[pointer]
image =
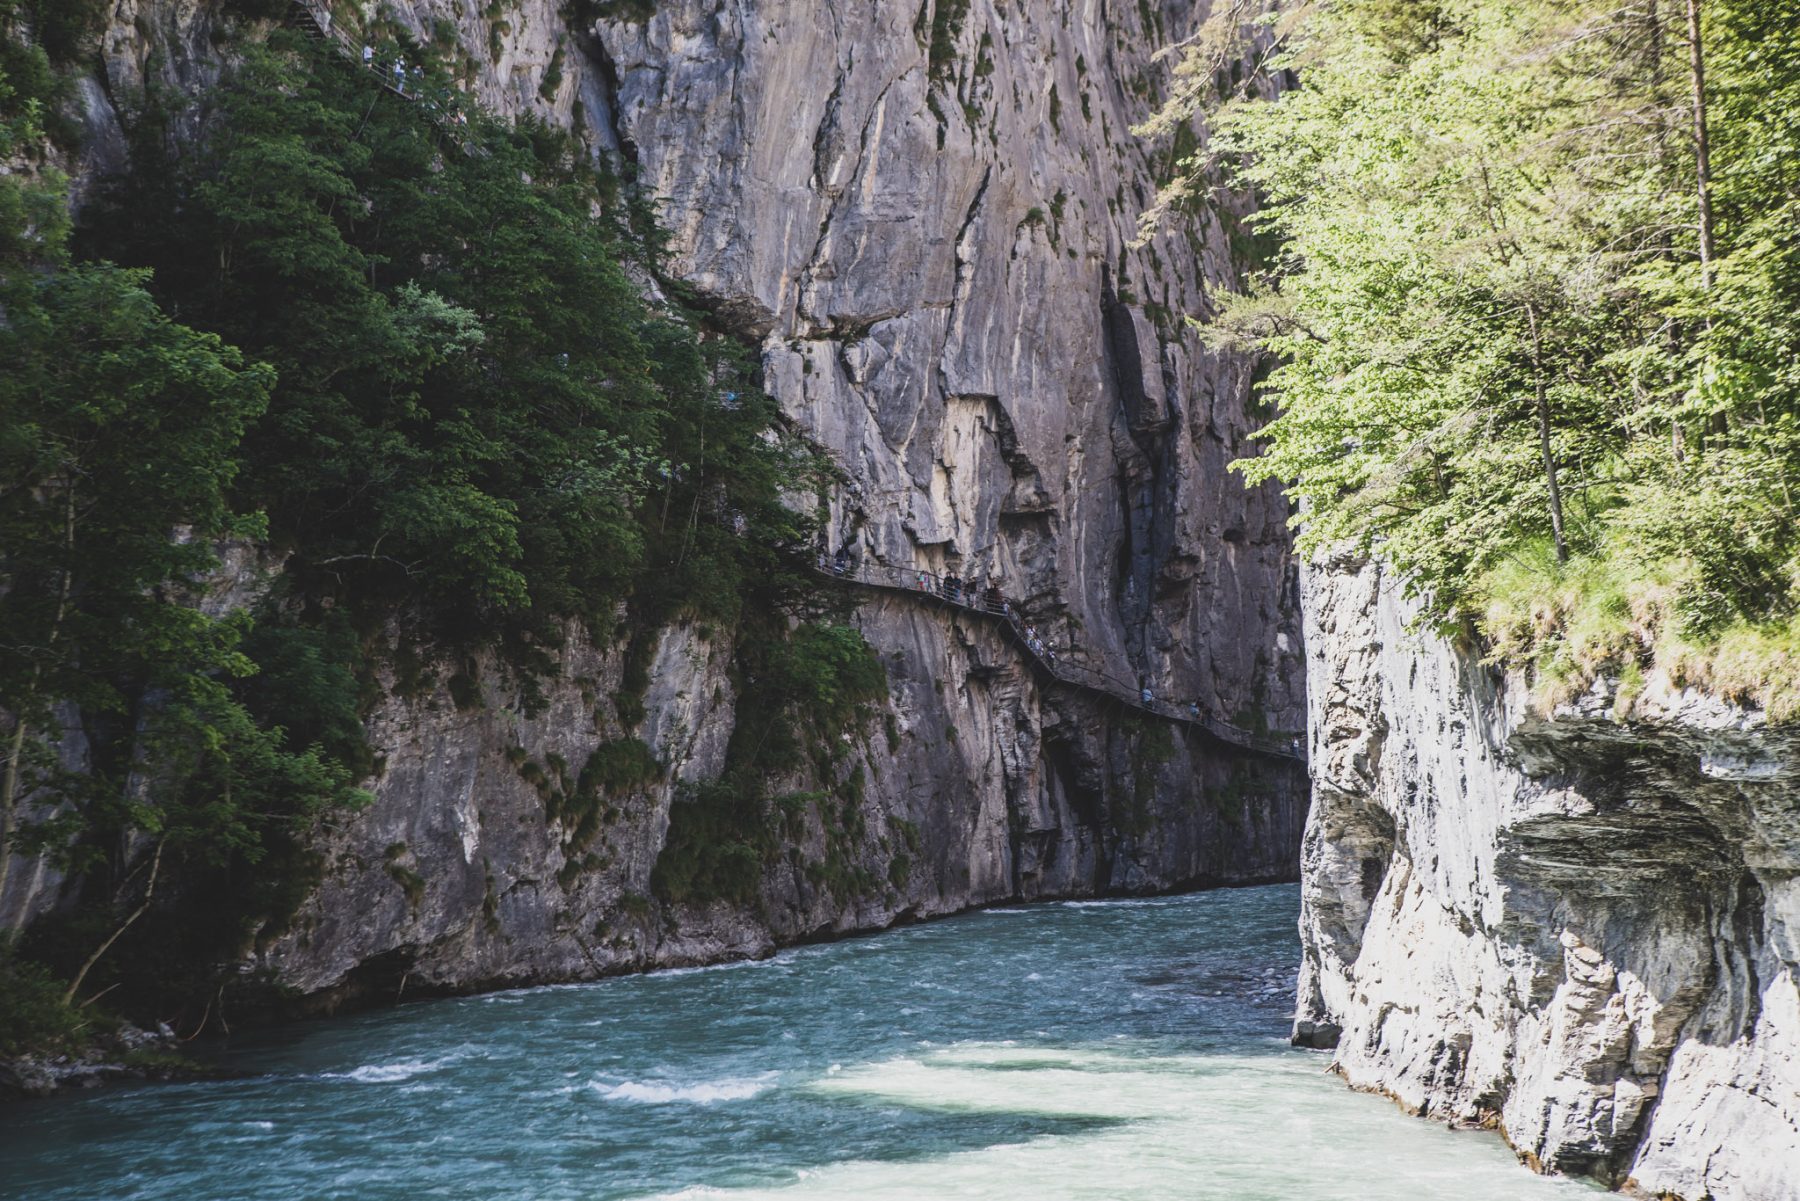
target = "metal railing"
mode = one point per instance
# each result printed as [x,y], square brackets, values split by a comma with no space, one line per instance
[315,19]
[988,602]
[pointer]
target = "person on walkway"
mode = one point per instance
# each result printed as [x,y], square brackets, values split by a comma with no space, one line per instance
[400,75]
[1146,696]
[1050,653]
[995,602]
[842,562]
[368,55]
[924,582]
[1194,710]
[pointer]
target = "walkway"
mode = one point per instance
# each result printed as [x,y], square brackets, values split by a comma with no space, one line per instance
[314,19]
[924,586]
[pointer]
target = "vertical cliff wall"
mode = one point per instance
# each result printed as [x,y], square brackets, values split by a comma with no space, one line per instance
[1584,928]
[923,213]
[920,217]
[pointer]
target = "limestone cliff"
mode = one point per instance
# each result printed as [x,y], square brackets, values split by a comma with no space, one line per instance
[920,216]
[1584,928]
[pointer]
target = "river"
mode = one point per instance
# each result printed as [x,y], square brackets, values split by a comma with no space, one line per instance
[1118,1050]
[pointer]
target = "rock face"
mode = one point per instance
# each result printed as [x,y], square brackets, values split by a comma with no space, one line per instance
[1584,928]
[921,216]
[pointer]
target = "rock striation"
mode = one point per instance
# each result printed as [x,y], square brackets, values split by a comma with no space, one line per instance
[921,218]
[1583,928]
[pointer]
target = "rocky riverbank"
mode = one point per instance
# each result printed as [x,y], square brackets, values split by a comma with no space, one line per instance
[121,1055]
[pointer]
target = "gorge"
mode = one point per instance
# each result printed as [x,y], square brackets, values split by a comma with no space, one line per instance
[1000,402]
[917,230]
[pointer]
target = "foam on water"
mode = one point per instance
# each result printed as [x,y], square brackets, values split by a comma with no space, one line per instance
[1132,903]
[1176,1127]
[706,1092]
[392,1073]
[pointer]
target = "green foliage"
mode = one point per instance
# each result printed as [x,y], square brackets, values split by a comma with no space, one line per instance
[411,883]
[807,687]
[1616,611]
[307,682]
[553,76]
[909,833]
[616,768]
[947,17]
[583,13]
[612,772]
[478,417]
[465,691]
[259,10]
[33,1015]
[899,870]
[66,29]
[119,432]
[28,85]
[1151,744]
[1499,329]
[1404,29]
[796,693]
[719,836]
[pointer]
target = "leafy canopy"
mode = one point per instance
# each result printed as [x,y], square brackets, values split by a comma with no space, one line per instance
[1499,327]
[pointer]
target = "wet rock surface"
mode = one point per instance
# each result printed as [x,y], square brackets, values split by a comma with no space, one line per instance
[125,1054]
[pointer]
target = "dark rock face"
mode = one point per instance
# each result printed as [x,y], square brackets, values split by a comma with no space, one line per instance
[932,252]
[1584,927]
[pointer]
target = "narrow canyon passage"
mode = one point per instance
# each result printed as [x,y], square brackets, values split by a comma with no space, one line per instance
[1125,1050]
[624,599]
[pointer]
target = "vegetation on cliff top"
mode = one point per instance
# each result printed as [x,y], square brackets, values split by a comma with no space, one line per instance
[1537,314]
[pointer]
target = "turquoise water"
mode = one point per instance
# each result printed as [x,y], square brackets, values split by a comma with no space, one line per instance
[1105,1050]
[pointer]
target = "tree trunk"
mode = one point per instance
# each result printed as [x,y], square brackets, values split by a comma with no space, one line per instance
[1702,148]
[9,789]
[143,906]
[1719,423]
[1543,424]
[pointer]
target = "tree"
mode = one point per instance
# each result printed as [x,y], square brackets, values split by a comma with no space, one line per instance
[475,402]
[1532,293]
[119,430]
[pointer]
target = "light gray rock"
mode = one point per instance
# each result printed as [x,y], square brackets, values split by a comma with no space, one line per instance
[1582,928]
